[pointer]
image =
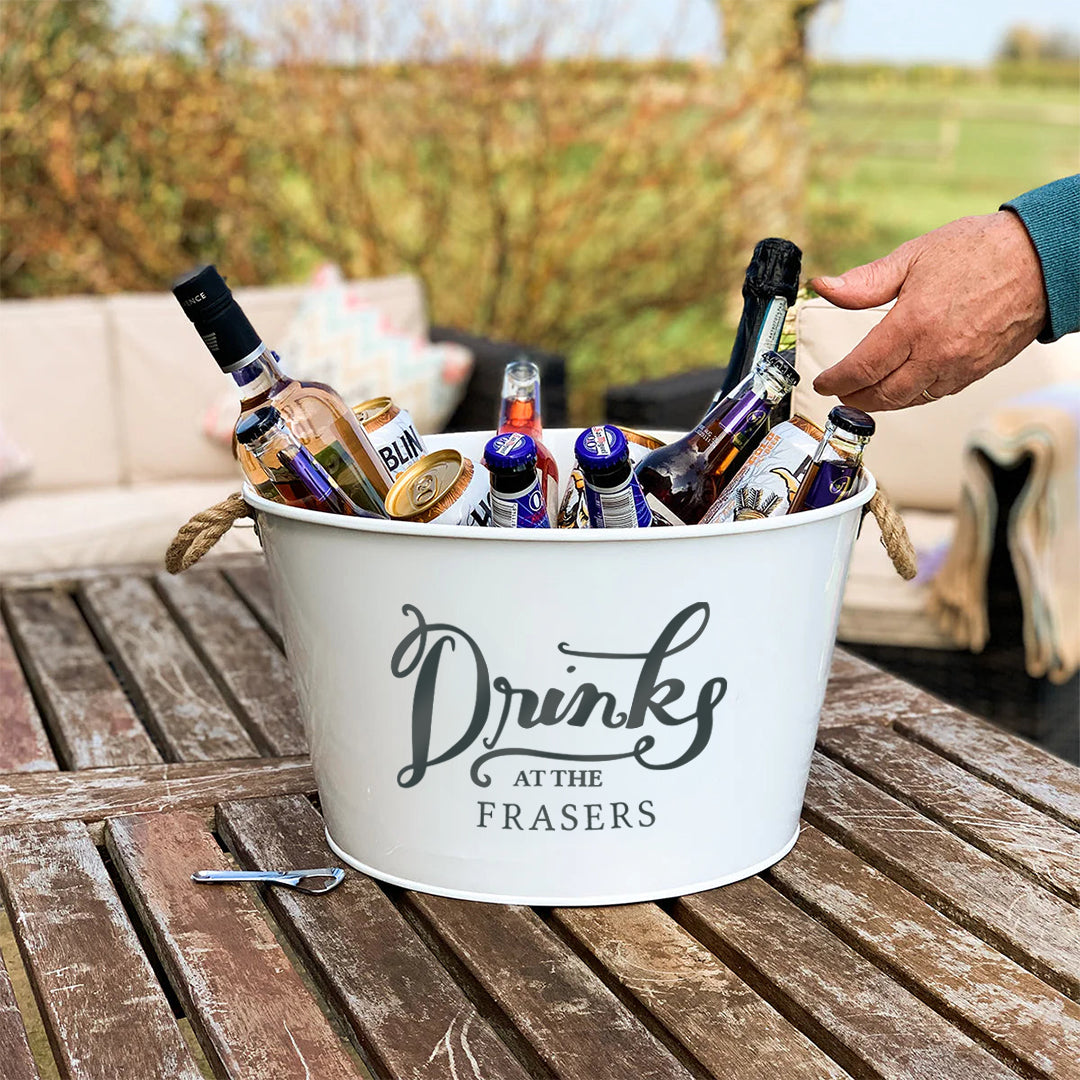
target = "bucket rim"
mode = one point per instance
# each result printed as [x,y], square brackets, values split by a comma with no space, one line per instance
[561,536]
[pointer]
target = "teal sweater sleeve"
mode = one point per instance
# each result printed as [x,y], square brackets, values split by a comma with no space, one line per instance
[1051,215]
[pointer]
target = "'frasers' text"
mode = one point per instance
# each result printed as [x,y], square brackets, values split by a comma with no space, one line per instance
[588,817]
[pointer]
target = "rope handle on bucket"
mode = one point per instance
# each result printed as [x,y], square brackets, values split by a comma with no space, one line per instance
[203,531]
[208,526]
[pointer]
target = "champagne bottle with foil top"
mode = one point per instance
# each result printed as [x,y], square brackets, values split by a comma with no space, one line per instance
[520,411]
[287,471]
[682,480]
[314,412]
[834,469]
[769,289]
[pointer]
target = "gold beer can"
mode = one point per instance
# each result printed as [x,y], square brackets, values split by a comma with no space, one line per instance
[444,487]
[392,432]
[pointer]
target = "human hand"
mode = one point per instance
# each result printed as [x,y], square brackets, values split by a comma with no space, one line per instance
[969,296]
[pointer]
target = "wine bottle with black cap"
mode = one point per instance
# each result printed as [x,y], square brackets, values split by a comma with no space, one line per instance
[770,288]
[314,412]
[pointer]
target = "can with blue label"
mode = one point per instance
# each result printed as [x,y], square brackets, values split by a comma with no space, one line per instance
[612,492]
[517,497]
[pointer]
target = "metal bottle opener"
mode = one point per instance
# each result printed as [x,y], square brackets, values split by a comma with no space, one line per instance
[291,879]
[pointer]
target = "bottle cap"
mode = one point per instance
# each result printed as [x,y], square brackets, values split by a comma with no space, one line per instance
[780,367]
[208,303]
[599,448]
[257,424]
[510,452]
[774,269]
[202,293]
[852,420]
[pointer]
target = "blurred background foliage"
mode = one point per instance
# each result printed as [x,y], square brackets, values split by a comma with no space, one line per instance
[597,207]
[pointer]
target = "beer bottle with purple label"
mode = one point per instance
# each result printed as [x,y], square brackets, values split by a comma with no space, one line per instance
[612,492]
[683,479]
[517,496]
[288,473]
[834,469]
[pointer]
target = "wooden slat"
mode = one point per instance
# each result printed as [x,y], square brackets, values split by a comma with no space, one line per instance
[848,669]
[727,1026]
[91,719]
[983,815]
[106,1014]
[252,670]
[572,1024]
[142,789]
[867,1022]
[177,697]
[859,693]
[412,1020]
[24,746]
[253,584]
[69,577]
[1033,926]
[250,1009]
[1031,1024]
[1009,763]
[18,1061]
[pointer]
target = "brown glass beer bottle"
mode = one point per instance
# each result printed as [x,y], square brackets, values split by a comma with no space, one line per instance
[683,479]
[834,470]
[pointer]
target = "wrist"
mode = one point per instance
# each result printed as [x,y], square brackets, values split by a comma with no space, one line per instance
[1025,266]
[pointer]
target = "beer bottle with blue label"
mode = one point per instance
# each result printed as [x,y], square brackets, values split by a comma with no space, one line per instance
[612,492]
[517,496]
[682,480]
[834,469]
[288,472]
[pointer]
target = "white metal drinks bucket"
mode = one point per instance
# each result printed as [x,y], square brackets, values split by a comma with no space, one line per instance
[560,717]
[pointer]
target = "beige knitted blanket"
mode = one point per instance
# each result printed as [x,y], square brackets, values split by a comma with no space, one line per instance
[1043,531]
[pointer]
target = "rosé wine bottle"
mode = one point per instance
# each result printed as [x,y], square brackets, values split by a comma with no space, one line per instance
[520,412]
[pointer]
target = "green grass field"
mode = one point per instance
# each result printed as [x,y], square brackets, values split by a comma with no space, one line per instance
[892,160]
[904,160]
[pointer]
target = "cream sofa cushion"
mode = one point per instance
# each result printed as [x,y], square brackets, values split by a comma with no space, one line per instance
[399,299]
[916,453]
[168,379]
[57,392]
[97,526]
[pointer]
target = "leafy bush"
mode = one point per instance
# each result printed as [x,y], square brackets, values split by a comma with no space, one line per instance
[552,202]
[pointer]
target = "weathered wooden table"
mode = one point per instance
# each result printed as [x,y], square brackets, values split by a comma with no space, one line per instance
[925,925]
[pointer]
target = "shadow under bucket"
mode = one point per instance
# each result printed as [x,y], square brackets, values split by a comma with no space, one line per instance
[560,717]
